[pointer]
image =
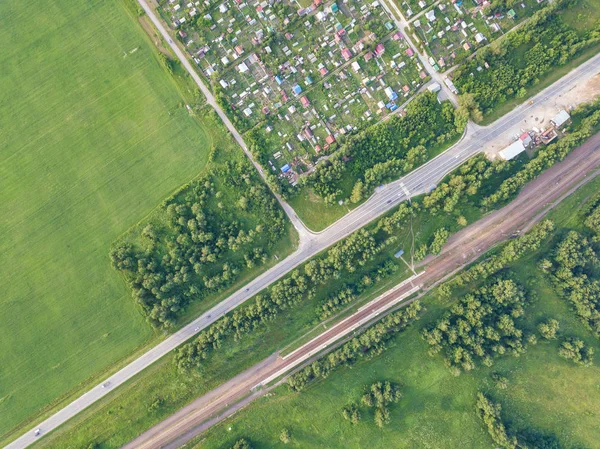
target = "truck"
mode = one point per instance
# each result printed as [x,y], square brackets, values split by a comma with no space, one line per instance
[448,82]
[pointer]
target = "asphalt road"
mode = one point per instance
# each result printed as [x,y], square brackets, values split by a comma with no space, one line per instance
[417,182]
[464,247]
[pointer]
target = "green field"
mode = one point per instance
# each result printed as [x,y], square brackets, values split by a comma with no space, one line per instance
[545,392]
[93,136]
[125,414]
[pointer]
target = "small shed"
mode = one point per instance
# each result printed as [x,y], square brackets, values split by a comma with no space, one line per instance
[526,139]
[305,101]
[561,118]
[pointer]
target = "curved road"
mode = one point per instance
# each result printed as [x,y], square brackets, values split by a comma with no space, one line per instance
[386,198]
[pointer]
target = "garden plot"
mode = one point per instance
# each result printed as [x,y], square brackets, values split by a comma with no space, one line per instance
[452,31]
[301,77]
[411,8]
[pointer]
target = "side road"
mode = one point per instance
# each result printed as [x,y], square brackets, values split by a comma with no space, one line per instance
[536,199]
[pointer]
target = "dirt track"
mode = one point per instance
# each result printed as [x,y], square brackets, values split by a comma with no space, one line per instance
[463,248]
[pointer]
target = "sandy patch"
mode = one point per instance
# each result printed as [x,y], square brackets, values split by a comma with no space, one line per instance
[539,116]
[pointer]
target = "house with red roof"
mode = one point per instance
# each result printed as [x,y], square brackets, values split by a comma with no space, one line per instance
[305,101]
[347,54]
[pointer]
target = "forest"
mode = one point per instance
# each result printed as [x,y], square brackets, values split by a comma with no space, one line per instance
[201,241]
[480,326]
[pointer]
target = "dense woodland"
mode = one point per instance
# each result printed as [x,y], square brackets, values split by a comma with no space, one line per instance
[480,326]
[522,58]
[201,241]
[387,150]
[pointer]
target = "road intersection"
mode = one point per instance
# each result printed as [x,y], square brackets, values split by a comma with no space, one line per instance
[311,243]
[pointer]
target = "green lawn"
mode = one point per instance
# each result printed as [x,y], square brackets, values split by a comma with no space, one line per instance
[94,135]
[545,392]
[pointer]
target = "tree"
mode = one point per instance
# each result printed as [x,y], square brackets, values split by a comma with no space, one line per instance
[461,221]
[285,436]
[382,416]
[548,329]
[351,413]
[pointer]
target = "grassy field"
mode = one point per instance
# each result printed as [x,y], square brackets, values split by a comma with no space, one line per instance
[545,392]
[94,135]
[125,414]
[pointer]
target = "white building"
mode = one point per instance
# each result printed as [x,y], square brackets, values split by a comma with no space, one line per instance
[512,150]
[561,118]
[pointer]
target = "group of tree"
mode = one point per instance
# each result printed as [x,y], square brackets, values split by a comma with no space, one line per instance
[350,291]
[200,241]
[351,413]
[387,150]
[576,350]
[490,413]
[592,217]
[547,156]
[438,240]
[369,343]
[378,396]
[573,264]
[523,57]
[549,329]
[480,326]
[465,182]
